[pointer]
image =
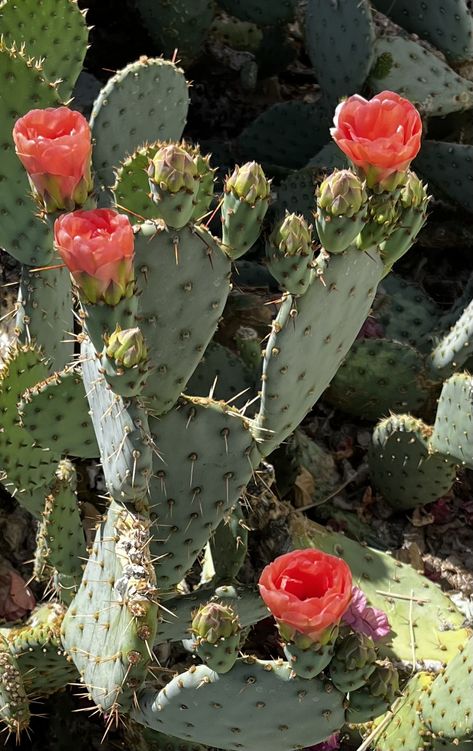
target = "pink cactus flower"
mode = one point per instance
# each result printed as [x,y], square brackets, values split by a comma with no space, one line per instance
[363,618]
[381,136]
[54,145]
[98,248]
[307,591]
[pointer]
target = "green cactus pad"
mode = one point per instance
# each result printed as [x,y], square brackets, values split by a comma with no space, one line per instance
[60,534]
[447,708]
[297,193]
[229,545]
[339,38]
[145,101]
[37,647]
[447,25]
[121,427]
[110,625]
[435,89]
[53,31]
[241,706]
[188,270]
[176,619]
[425,625]
[61,401]
[404,467]
[406,312]
[285,135]
[328,158]
[26,466]
[456,346]
[23,86]
[206,457]
[44,314]
[14,704]
[131,189]
[311,335]
[405,729]
[453,428]
[261,12]
[379,376]
[180,25]
[224,375]
[448,167]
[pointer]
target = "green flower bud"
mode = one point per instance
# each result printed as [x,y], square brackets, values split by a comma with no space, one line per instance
[127,347]
[384,682]
[248,183]
[292,236]
[356,651]
[214,621]
[173,169]
[414,193]
[383,208]
[342,193]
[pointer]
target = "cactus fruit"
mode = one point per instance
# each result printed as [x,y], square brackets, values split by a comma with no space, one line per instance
[245,203]
[174,183]
[216,636]
[353,662]
[341,210]
[290,255]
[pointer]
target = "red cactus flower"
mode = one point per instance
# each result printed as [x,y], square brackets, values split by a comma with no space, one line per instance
[381,136]
[307,591]
[54,145]
[97,247]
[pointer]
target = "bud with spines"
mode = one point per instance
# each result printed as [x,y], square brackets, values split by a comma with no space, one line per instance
[353,663]
[125,361]
[245,203]
[413,201]
[290,254]
[374,699]
[205,191]
[216,631]
[383,217]
[341,210]
[174,183]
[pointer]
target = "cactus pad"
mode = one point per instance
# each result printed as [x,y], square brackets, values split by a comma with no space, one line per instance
[453,429]
[449,168]
[261,12]
[447,25]
[240,706]
[224,375]
[403,466]
[53,31]
[340,37]
[110,625]
[205,461]
[60,400]
[44,314]
[320,326]
[145,101]
[37,647]
[377,376]
[27,467]
[188,270]
[454,349]
[436,89]
[447,709]
[14,704]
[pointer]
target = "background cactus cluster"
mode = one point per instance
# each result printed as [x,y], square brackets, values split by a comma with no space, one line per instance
[162,607]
